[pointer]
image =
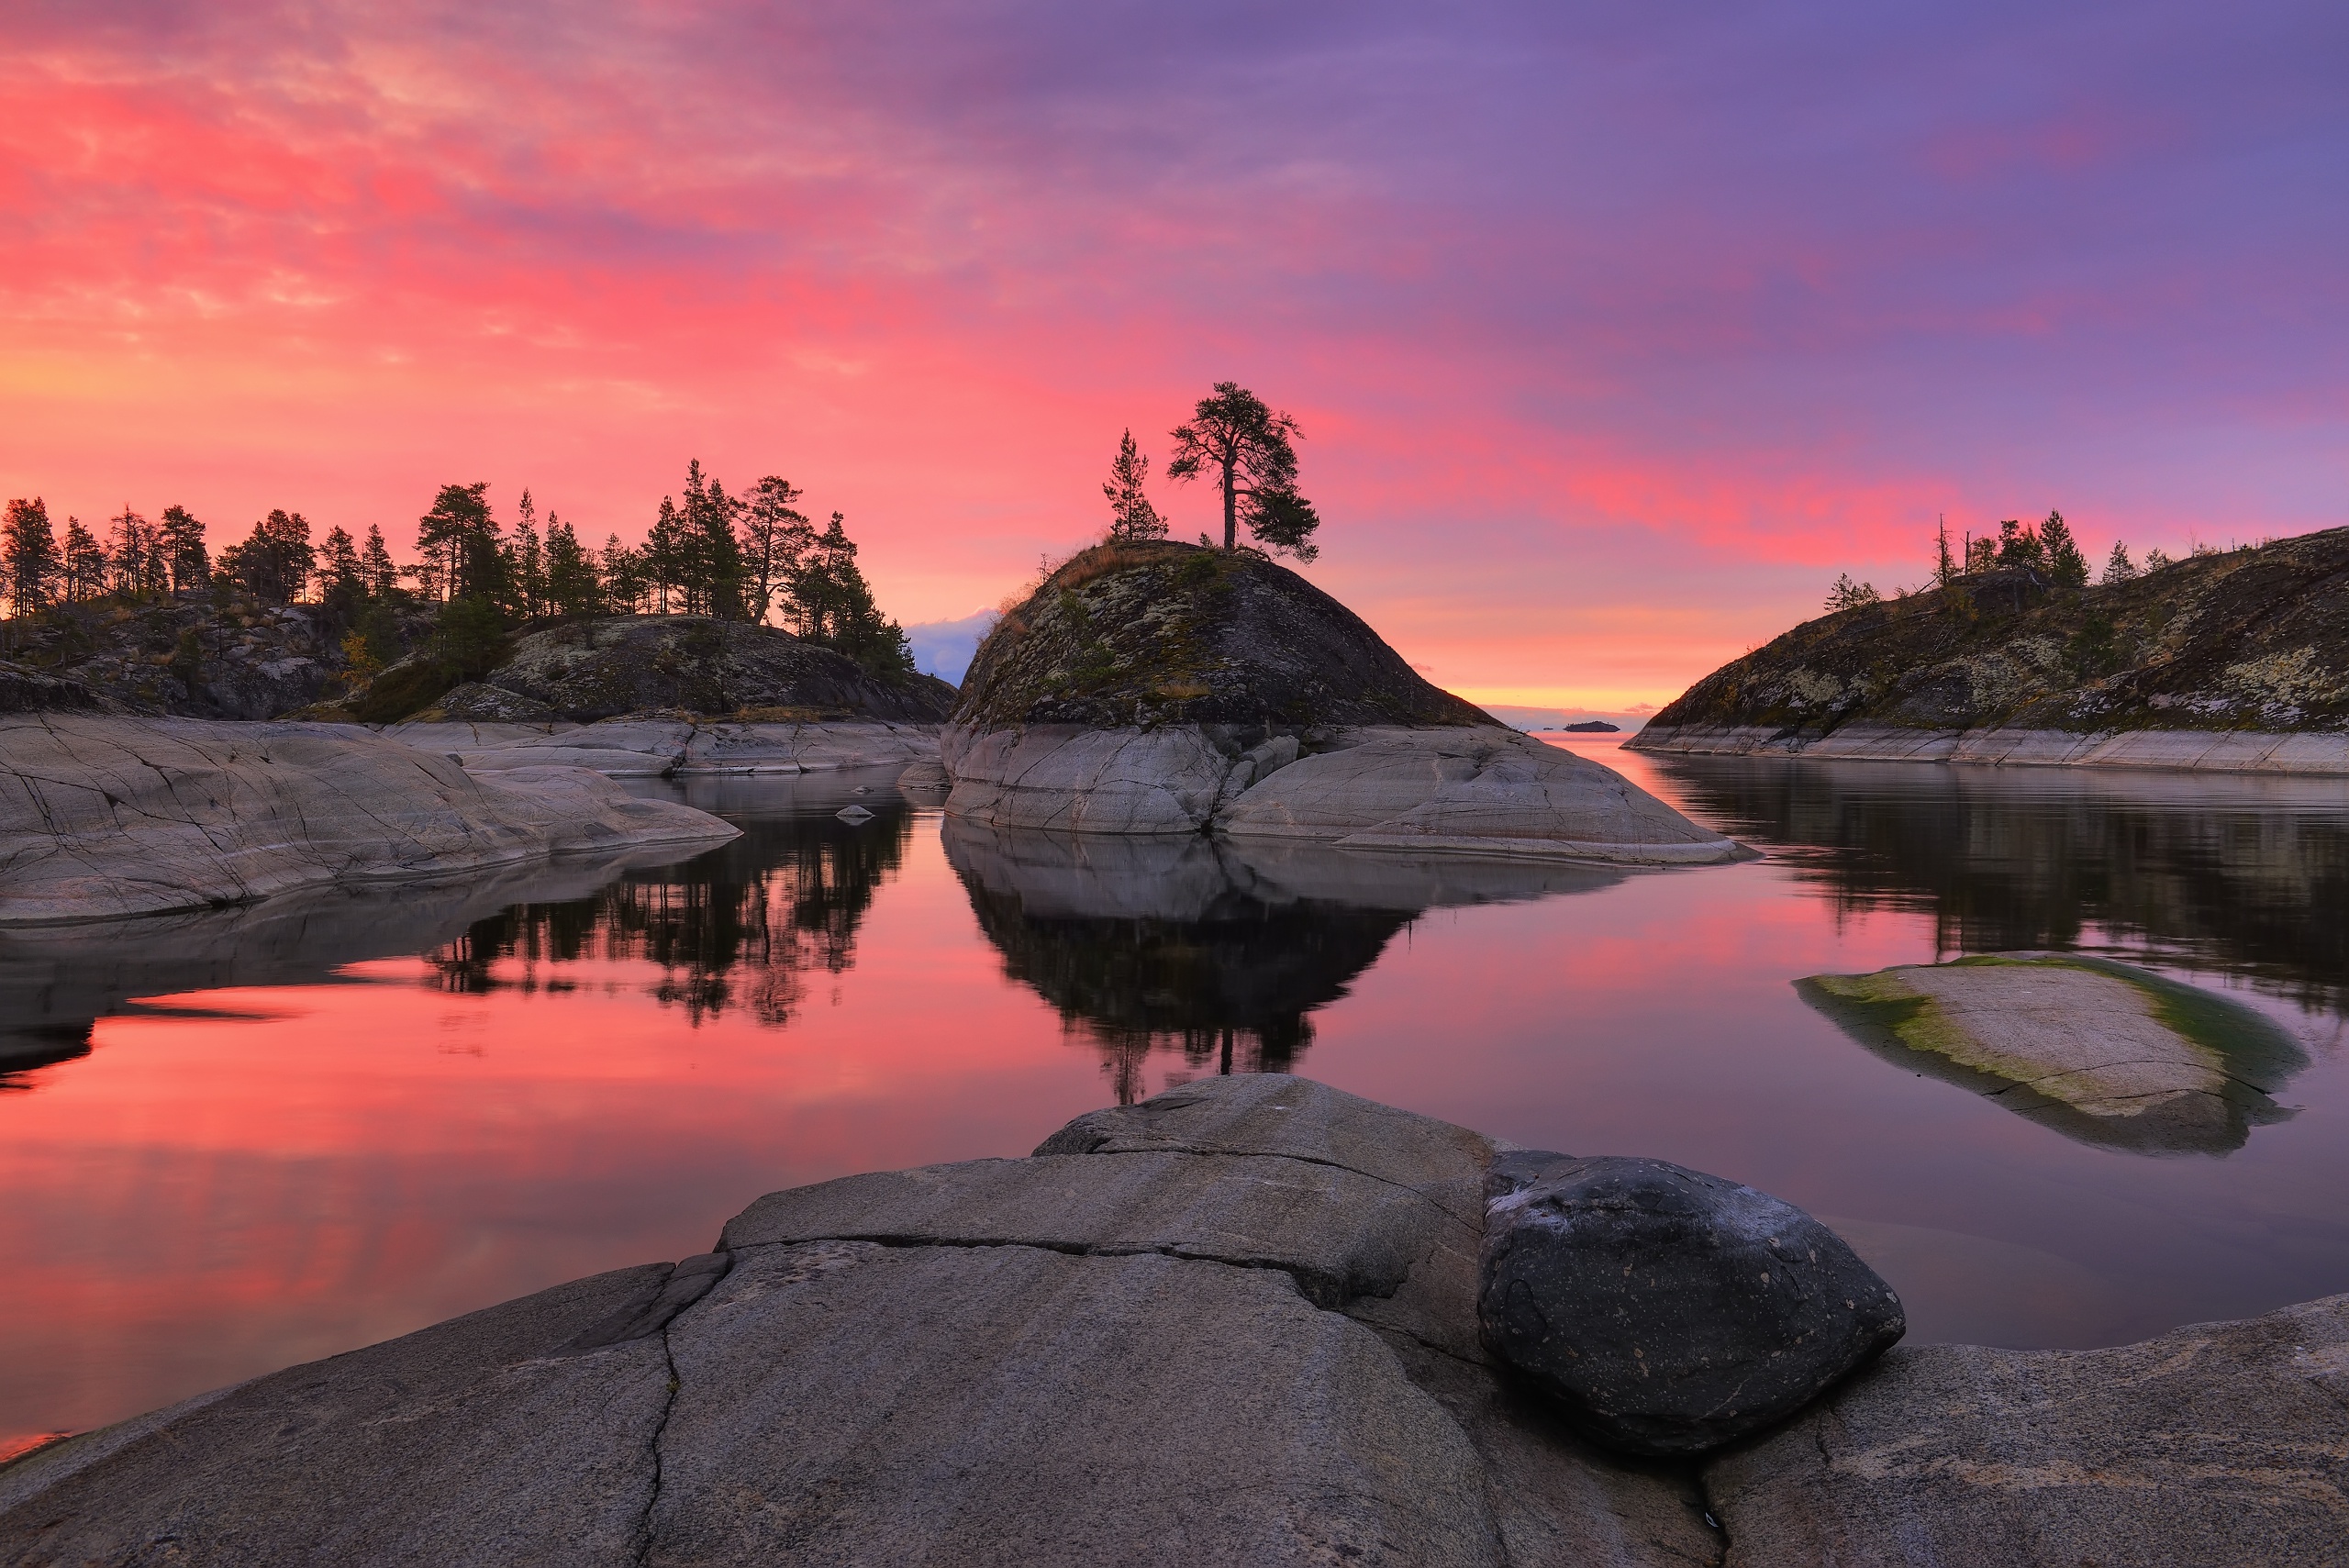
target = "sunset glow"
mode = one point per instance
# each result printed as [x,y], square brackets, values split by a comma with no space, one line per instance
[1614,334]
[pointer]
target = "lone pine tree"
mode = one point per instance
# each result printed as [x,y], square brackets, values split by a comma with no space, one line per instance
[1234,436]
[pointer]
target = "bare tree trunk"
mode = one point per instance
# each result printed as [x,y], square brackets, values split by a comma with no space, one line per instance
[1231,510]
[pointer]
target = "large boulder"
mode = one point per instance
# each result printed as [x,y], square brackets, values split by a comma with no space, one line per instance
[1168,689]
[659,747]
[601,669]
[2105,1052]
[103,816]
[1232,1325]
[1670,1312]
[2224,1445]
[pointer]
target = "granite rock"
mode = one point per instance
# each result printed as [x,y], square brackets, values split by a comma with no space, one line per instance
[107,817]
[1670,1312]
[657,748]
[2223,1445]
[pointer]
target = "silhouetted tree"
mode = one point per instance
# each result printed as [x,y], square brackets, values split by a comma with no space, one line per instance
[1234,436]
[1849,595]
[2021,547]
[84,572]
[457,541]
[2118,567]
[274,562]
[138,564]
[526,566]
[2065,565]
[571,586]
[834,607]
[1944,564]
[343,580]
[626,586]
[376,565]
[777,537]
[1131,516]
[183,540]
[29,562]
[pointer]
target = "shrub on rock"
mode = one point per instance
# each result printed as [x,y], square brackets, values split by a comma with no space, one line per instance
[1669,1311]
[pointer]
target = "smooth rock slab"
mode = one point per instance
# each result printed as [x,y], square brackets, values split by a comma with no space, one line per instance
[2223,1445]
[1669,1311]
[104,816]
[471,1442]
[849,1403]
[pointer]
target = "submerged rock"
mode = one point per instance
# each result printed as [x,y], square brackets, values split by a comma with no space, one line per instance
[2103,1052]
[1167,688]
[103,816]
[1669,1311]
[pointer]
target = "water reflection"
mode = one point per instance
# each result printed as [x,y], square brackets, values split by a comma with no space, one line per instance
[2238,875]
[57,981]
[741,927]
[1217,951]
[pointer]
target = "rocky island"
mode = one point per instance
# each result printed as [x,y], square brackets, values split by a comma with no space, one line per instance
[2229,659]
[1254,1321]
[1154,688]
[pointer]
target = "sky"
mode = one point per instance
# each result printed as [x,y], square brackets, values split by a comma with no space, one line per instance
[1615,331]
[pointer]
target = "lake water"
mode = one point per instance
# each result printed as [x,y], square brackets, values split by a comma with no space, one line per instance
[254,1138]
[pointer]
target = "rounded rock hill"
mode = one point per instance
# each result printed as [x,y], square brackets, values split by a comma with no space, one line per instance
[1171,688]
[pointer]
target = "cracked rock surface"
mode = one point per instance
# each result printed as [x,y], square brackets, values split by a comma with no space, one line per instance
[103,816]
[650,748]
[1235,1324]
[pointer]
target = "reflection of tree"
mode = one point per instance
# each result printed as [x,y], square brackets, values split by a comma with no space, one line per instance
[739,927]
[2247,874]
[1229,986]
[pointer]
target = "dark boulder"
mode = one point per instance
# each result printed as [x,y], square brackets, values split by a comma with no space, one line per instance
[1669,1311]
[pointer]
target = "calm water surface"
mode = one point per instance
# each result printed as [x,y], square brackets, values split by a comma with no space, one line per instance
[236,1142]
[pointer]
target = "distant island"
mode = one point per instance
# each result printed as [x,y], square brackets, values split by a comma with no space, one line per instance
[2228,658]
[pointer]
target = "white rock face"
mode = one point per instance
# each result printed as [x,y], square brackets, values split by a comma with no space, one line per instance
[103,816]
[2243,752]
[653,748]
[1470,789]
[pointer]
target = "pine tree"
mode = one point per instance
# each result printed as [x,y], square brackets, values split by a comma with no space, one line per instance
[711,557]
[343,581]
[571,586]
[136,559]
[457,540]
[2021,547]
[834,607]
[662,558]
[776,537]
[1849,595]
[526,566]
[2118,567]
[626,582]
[29,562]
[84,573]
[183,539]
[274,562]
[1234,436]
[1944,565]
[375,568]
[2066,567]
[1131,516]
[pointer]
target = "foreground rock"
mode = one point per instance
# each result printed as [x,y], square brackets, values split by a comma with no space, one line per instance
[2221,1445]
[2102,1052]
[1235,1324]
[2231,661]
[657,747]
[1172,689]
[107,817]
[1670,1311]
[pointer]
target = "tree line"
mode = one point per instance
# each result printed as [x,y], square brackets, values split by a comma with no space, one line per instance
[754,558]
[2047,552]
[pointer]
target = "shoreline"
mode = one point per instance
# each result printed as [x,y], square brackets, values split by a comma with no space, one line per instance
[2305,754]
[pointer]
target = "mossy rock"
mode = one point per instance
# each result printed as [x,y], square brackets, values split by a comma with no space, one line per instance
[1156,633]
[2101,1051]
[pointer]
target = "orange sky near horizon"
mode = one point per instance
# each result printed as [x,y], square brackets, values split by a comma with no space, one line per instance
[1613,339]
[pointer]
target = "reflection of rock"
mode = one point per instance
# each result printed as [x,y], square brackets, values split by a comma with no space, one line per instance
[2102,1052]
[2221,1445]
[2234,874]
[55,979]
[1669,1311]
[1217,948]
[103,817]
[625,747]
